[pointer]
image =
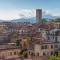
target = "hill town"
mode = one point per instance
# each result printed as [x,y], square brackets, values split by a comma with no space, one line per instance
[34,41]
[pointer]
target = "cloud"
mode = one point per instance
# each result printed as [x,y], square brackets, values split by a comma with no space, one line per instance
[25,13]
[55,12]
[8,15]
[16,14]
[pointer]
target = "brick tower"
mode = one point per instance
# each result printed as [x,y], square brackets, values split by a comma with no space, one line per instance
[38,15]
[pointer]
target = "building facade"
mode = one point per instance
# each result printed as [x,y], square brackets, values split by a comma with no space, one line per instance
[46,48]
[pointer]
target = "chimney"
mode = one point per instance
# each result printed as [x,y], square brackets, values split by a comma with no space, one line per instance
[38,15]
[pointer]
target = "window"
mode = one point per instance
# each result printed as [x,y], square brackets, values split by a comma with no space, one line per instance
[44,54]
[37,54]
[48,38]
[46,47]
[51,46]
[32,54]
[56,38]
[56,46]
[42,47]
[14,53]
[29,52]
[24,44]
[10,53]
[51,53]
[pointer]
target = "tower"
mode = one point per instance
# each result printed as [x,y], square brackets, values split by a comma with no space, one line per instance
[38,15]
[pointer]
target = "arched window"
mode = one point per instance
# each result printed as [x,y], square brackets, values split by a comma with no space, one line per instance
[44,54]
[51,46]
[14,53]
[10,53]
[37,54]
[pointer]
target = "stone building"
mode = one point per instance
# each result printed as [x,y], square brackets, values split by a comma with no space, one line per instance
[9,53]
[46,48]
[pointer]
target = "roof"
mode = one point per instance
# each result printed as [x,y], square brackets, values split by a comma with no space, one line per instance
[9,49]
[48,42]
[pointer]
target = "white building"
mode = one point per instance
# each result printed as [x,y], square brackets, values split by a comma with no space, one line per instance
[46,48]
[54,35]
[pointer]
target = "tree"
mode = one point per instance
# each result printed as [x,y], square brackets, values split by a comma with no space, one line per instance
[14,34]
[57,20]
[17,43]
[56,56]
[24,53]
[44,20]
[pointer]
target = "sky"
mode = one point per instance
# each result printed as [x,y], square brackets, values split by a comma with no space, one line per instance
[15,9]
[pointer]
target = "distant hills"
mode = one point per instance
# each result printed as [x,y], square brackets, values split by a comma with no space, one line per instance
[50,17]
[31,20]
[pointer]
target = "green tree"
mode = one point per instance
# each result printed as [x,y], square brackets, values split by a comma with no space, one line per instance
[57,20]
[24,53]
[17,43]
[44,20]
[55,56]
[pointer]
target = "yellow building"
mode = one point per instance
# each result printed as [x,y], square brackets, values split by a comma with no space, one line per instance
[9,53]
[25,42]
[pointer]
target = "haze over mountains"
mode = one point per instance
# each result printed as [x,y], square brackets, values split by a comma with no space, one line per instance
[31,19]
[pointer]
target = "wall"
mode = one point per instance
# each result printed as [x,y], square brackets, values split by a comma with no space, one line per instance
[9,53]
[48,50]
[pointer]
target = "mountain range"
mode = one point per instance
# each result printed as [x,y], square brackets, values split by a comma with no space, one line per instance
[32,20]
